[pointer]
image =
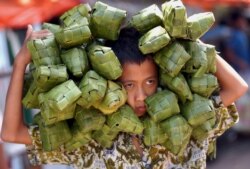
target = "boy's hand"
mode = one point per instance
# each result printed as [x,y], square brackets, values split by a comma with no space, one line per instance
[23,57]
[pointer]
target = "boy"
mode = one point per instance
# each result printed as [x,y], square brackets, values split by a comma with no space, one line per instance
[140,79]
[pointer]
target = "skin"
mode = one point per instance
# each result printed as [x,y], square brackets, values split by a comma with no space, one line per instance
[139,81]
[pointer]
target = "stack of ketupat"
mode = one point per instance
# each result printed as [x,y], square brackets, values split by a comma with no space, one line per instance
[73,77]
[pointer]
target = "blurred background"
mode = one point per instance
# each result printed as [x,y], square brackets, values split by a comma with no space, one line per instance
[230,34]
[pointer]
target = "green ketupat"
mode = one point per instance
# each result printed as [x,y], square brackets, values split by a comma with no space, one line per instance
[74,35]
[198,63]
[47,77]
[76,61]
[198,111]
[105,62]
[106,21]
[153,133]
[93,88]
[53,136]
[154,40]
[76,15]
[79,138]
[105,136]
[61,96]
[114,98]
[204,85]
[178,85]
[89,119]
[44,51]
[172,58]
[162,105]
[125,120]
[51,27]
[179,132]
[199,24]
[147,19]
[175,18]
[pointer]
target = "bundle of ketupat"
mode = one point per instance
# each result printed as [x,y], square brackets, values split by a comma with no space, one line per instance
[181,111]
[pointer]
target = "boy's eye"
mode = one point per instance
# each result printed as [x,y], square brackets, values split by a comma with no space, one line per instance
[150,81]
[128,85]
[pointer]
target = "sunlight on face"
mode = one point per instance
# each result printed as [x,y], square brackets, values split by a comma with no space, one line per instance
[140,81]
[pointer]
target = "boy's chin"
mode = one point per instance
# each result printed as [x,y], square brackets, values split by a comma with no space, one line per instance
[140,114]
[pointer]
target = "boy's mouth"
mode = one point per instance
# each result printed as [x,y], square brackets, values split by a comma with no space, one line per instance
[140,110]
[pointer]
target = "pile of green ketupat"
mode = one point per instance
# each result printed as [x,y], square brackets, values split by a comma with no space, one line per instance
[72,74]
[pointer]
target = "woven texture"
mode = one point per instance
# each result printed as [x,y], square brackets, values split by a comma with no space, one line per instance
[79,138]
[178,85]
[105,136]
[76,15]
[53,136]
[172,58]
[175,18]
[74,35]
[60,96]
[51,27]
[147,19]
[204,85]
[198,111]
[47,77]
[125,120]
[179,132]
[153,133]
[76,61]
[105,62]
[162,105]
[106,21]
[198,64]
[44,51]
[89,119]
[93,88]
[199,24]
[114,98]
[154,40]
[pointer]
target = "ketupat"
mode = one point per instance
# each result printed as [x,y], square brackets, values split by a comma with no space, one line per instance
[61,96]
[105,136]
[76,61]
[204,85]
[162,105]
[147,19]
[175,18]
[125,120]
[105,21]
[198,111]
[44,51]
[79,138]
[153,133]
[172,58]
[177,84]
[53,136]
[154,40]
[104,61]
[76,15]
[179,133]
[93,88]
[74,35]
[199,24]
[89,119]
[114,98]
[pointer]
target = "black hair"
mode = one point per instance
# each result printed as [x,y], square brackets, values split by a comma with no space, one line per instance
[126,46]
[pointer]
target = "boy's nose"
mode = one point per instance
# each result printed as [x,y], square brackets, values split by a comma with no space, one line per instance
[140,95]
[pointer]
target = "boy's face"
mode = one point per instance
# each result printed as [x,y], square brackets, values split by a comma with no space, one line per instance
[140,81]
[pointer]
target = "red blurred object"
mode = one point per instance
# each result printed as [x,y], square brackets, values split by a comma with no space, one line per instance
[20,13]
[209,4]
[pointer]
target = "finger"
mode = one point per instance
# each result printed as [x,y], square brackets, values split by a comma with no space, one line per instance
[29,32]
